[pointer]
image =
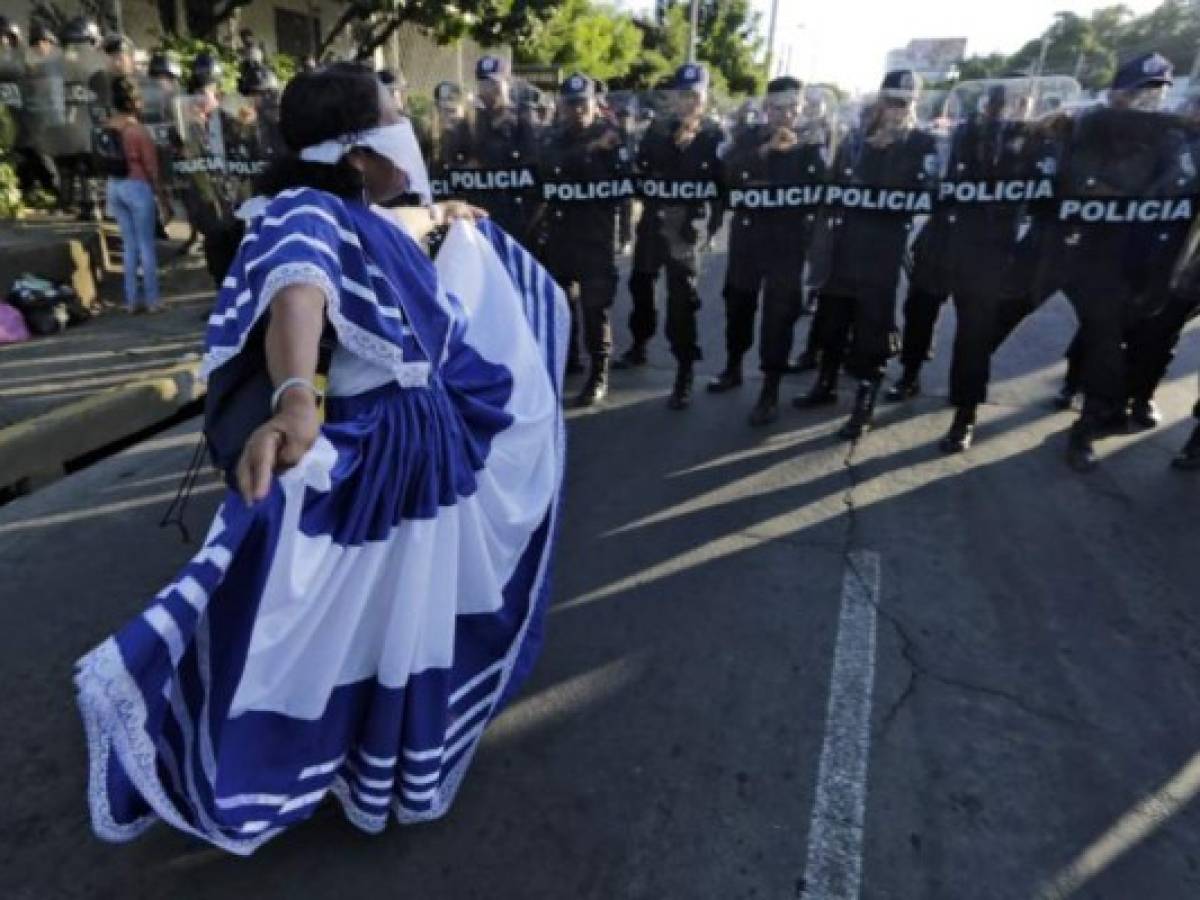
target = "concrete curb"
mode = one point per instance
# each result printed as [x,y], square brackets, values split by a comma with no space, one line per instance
[34,452]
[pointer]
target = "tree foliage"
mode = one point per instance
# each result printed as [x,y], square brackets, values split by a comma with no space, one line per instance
[729,43]
[594,39]
[1092,47]
[491,22]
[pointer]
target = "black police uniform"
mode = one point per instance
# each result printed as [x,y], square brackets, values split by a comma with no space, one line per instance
[668,237]
[857,258]
[1151,342]
[501,140]
[577,242]
[1117,272]
[766,253]
[450,138]
[1185,289]
[982,262]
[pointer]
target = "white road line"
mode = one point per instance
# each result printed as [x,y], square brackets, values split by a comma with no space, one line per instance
[835,832]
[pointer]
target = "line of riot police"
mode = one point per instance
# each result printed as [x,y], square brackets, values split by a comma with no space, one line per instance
[56,94]
[995,195]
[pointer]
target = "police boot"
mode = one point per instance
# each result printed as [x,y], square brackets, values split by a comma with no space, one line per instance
[1065,398]
[1081,450]
[906,387]
[681,393]
[1144,414]
[805,362]
[962,431]
[632,358]
[863,416]
[766,410]
[729,379]
[1189,457]
[822,393]
[595,388]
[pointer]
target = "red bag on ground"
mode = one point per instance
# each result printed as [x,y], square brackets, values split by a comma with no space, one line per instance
[12,325]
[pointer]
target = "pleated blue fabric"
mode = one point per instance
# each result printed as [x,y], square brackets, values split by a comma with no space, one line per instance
[353,634]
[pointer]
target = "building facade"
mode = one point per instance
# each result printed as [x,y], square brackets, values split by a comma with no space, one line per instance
[294,27]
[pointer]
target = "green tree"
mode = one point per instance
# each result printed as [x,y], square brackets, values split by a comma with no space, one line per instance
[491,22]
[597,40]
[729,43]
[1091,48]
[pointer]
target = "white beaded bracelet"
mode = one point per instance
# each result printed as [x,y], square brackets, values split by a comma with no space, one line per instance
[288,385]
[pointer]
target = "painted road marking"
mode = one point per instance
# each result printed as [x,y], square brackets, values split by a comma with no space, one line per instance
[833,870]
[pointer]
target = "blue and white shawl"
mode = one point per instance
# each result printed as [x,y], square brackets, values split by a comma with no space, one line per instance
[353,634]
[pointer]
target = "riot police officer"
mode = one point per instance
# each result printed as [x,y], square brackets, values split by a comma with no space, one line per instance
[12,69]
[585,170]
[677,152]
[43,110]
[1117,260]
[768,238]
[451,132]
[994,150]
[1189,457]
[1151,342]
[881,178]
[502,140]
[82,61]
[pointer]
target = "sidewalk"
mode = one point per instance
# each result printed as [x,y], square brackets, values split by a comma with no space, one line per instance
[66,396]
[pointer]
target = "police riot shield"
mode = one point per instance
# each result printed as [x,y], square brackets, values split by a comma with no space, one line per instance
[200,163]
[497,168]
[83,66]
[678,167]
[160,100]
[448,122]
[12,71]
[882,188]
[251,138]
[779,159]
[44,104]
[1125,200]
[997,177]
[585,186]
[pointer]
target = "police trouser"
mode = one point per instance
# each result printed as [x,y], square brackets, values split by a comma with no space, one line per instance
[683,301]
[977,313]
[75,182]
[625,223]
[1103,310]
[37,169]
[593,292]
[861,330]
[921,310]
[1151,345]
[752,271]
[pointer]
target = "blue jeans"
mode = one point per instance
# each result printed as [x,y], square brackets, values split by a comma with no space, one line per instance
[131,203]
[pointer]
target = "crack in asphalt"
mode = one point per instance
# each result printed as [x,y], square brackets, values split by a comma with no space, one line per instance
[918,669]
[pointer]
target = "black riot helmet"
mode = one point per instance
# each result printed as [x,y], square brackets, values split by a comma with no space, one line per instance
[81,30]
[165,65]
[117,43]
[40,31]
[206,70]
[255,78]
[10,32]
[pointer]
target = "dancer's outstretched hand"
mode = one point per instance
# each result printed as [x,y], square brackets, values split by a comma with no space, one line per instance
[278,444]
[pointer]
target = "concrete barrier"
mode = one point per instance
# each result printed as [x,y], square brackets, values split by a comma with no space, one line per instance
[34,452]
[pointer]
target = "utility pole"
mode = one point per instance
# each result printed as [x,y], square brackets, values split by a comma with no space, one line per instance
[694,36]
[771,35]
[1196,61]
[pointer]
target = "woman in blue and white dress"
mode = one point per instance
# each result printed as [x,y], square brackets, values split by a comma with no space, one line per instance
[371,594]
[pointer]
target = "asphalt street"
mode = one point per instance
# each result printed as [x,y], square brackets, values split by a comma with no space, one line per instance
[778,666]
